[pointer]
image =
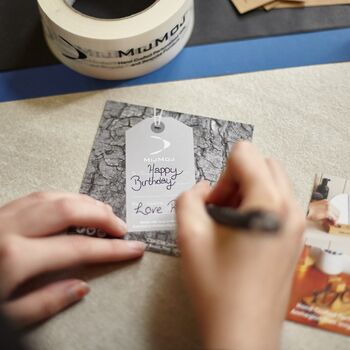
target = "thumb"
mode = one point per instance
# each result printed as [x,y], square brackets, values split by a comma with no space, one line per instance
[191,214]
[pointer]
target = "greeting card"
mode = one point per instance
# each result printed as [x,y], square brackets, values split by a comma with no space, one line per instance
[143,158]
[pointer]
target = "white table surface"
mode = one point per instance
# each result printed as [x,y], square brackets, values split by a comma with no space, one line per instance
[301,116]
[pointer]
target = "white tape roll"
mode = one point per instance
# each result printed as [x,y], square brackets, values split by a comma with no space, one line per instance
[121,48]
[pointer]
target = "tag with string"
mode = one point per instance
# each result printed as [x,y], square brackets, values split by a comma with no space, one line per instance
[159,167]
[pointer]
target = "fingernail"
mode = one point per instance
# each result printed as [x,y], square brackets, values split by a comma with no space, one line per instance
[123,226]
[78,291]
[136,245]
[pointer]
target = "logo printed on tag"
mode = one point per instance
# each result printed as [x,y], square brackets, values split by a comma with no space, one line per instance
[166,144]
[159,167]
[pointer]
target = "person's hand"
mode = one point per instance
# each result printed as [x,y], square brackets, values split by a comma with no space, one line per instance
[240,281]
[323,212]
[28,247]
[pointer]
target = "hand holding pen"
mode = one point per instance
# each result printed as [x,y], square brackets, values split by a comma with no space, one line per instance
[240,277]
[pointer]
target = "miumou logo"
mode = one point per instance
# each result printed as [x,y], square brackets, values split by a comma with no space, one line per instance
[166,144]
[70,51]
[76,52]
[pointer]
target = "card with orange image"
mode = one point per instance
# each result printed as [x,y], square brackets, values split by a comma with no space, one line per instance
[321,291]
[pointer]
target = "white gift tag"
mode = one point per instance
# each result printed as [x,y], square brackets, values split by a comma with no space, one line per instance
[159,167]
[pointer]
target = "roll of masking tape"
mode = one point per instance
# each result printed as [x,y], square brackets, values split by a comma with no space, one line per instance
[126,39]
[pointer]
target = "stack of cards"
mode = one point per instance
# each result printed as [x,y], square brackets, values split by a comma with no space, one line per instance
[244,6]
[320,294]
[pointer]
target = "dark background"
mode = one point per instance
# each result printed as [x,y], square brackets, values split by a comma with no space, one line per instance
[22,44]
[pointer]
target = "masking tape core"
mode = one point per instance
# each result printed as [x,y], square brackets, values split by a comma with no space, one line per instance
[110,9]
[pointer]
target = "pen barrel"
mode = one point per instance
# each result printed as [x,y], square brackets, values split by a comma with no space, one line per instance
[256,220]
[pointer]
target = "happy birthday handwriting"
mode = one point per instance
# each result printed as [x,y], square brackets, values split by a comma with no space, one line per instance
[156,176]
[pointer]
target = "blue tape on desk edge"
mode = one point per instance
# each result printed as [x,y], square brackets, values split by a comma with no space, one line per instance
[203,61]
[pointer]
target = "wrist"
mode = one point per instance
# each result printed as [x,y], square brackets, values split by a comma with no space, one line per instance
[243,328]
[232,335]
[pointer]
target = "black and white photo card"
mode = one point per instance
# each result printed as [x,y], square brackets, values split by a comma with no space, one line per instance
[143,158]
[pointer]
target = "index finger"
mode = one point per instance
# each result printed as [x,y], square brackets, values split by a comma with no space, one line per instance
[248,176]
[49,217]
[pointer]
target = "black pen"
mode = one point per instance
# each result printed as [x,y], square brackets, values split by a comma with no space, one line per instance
[255,220]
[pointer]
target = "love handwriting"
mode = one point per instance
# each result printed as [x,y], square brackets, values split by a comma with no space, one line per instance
[142,209]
